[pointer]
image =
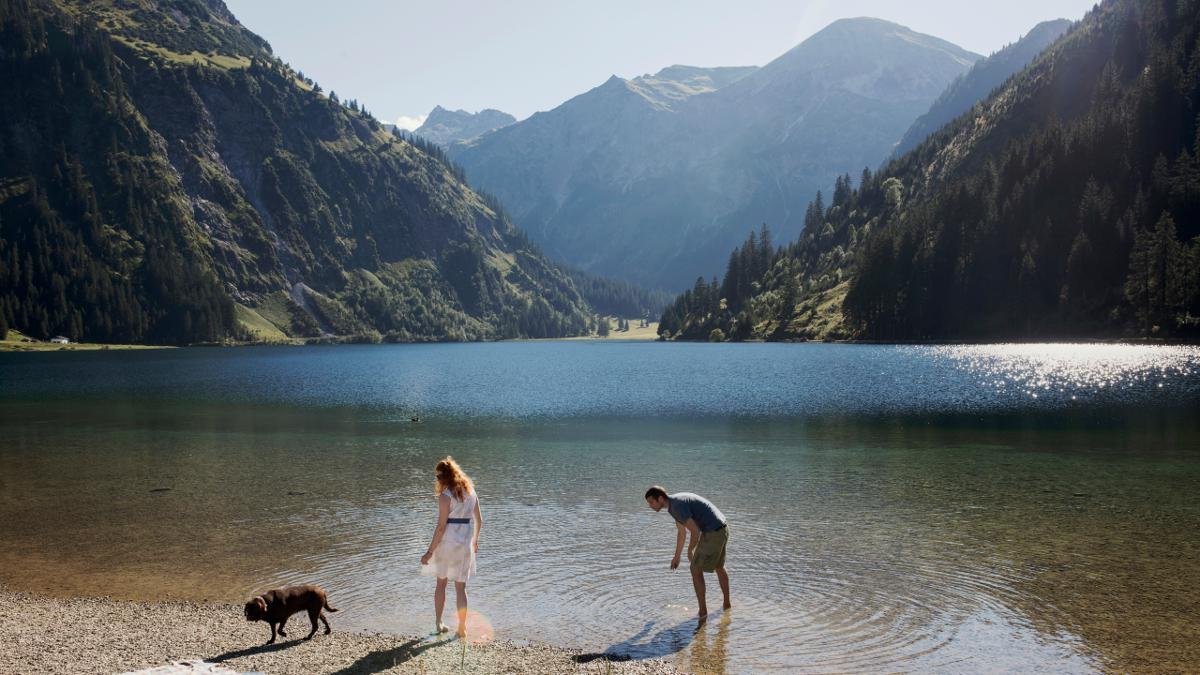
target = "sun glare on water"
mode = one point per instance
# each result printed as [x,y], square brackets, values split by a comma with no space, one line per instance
[1072,371]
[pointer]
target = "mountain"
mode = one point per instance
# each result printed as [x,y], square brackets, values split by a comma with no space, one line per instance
[165,179]
[673,85]
[1066,204]
[977,83]
[655,178]
[452,126]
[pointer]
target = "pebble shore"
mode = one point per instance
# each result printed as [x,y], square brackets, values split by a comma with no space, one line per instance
[99,635]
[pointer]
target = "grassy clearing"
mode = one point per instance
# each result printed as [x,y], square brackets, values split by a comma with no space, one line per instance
[16,341]
[261,329]
[274,310]
[222,61]
[821,316]
[633,334]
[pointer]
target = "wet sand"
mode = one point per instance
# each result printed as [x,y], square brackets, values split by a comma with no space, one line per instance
[98,635]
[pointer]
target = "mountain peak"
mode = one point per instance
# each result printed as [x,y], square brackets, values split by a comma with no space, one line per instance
[445,127]
[867,57]
[865,23]
[870,28]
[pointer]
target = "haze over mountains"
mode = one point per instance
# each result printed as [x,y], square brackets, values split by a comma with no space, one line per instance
[983,77]
[654,179]
[1066,204]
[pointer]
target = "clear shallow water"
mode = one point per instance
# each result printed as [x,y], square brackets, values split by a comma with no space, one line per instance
[892,508]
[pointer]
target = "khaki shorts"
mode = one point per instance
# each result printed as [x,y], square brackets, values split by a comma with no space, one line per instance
[710,552]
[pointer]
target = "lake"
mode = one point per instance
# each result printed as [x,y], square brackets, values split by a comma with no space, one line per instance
[935,508]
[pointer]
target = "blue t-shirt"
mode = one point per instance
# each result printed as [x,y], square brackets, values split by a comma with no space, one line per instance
[684,505]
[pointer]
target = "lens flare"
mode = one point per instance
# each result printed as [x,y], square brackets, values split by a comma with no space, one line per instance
[479,628]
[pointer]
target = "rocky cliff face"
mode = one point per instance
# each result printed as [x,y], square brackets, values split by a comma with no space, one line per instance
[655,179]
[454,126]
[164,178]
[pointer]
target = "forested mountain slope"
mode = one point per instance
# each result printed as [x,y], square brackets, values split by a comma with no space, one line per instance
[1067,204]
[164,178]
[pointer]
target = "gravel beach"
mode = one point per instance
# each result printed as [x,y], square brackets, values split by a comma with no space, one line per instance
[98,635]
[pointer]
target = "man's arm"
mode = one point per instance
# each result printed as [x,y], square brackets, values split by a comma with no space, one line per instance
[680,534]
[694,529]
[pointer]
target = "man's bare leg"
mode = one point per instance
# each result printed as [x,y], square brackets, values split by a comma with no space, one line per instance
[698,583]
[723,578]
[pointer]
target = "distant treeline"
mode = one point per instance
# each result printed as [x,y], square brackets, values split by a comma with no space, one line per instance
[618,298]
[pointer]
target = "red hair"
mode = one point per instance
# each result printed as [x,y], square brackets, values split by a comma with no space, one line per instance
[450,477]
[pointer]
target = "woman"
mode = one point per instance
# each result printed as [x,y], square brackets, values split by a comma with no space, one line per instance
[451,554]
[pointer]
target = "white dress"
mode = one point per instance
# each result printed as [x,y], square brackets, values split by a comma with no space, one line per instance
[454,558]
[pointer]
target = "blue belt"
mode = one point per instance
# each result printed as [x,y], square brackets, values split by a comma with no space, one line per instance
[458,521]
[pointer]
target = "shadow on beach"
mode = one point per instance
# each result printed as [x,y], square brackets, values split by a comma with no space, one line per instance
[251,651]
[643,645]
[373,662]
[384,659]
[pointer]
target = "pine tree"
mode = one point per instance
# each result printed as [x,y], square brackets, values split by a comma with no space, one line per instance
[766,250]
[1157,282]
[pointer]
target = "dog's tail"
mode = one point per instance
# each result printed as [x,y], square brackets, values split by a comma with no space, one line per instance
[328,608]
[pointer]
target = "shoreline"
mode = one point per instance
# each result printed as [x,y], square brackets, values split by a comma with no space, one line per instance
[45,634]
[15,341]
[9,347]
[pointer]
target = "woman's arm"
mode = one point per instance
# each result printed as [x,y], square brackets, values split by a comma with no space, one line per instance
[478,526]
[443,513]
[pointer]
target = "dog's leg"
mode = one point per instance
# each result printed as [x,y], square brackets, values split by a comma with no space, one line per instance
[325,621]
[281,625]
[272,640]
[313,613]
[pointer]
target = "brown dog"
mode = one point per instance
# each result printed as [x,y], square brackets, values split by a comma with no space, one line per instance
[275,606]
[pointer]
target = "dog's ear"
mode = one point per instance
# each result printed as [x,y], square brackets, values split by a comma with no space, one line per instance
[256,607]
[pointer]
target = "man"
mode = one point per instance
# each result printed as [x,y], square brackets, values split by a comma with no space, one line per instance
[710,533]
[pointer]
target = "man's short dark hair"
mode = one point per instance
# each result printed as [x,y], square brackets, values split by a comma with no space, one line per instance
[656,491]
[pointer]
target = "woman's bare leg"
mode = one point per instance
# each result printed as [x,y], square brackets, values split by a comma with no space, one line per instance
[460,591]
[439,603]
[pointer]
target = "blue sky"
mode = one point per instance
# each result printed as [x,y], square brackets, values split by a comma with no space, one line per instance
[401,58]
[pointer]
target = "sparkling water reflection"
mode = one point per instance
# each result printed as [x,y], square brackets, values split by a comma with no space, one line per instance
[882,520]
